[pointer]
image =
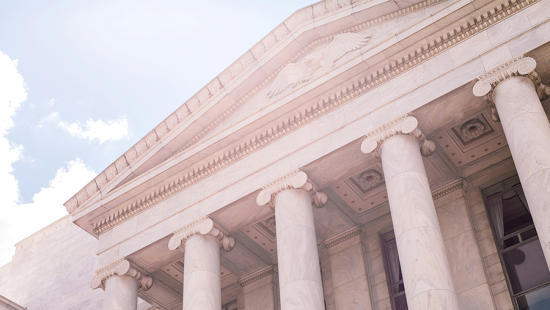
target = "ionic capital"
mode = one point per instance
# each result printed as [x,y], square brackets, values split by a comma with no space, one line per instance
[519,66]
[404,125]
[294,180]
[121,267]
[201,227]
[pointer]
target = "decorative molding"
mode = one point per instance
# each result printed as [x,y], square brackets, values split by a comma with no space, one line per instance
[201,227]
[346,235]
[294,180]
[219,84]
[122,267]
[403,125]
[309,114]
[449,188]
[519,66]
[262,273]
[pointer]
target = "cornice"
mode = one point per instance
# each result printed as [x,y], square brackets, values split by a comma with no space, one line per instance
[201,227]
[267,271]
[449,188]
[346,235]
[9,305]
[355,89]
[294,180]
[403,125]
[122,267]
[218,84]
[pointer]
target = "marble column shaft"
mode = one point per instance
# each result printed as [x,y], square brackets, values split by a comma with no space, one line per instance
[202,283]
[201,241]
[300,283]
[299,271]
[400,144]
[426,272]
[515,90]
[121,293]
[528,133]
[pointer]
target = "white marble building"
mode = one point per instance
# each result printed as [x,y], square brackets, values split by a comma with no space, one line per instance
[364,155]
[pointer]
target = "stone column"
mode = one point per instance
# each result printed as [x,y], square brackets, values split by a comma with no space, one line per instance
[516,90]
[201,242]
[121,281]
[426,273]
[292,197]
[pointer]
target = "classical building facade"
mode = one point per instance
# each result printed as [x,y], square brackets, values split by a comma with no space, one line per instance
[364,155]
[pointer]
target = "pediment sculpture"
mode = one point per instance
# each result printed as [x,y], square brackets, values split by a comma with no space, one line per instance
[317,62]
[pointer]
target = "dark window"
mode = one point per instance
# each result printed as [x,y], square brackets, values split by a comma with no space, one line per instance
[518,245]
[393,272]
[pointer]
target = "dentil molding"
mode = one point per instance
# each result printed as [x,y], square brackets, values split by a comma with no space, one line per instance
[346,235]
[354,89]
[201,227]
[449,188]
[404,125]
[262,273]
[519,66]
[121,267]
[294,180]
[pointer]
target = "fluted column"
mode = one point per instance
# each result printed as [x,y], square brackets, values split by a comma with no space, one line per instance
[426,273]
[201,242]
[292,197]
[121,281]
[515,90]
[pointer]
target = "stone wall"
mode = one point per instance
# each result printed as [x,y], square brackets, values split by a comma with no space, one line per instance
[463,252]
[52,269]
[4,274]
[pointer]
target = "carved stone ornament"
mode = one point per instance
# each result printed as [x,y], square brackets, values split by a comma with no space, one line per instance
[519,66]
[404,125]
[121,267]
[369,178]
[201,227]
[271,224]
[472,129]
[311,65]
[294,180]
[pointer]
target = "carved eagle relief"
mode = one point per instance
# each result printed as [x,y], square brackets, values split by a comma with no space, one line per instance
[296,73]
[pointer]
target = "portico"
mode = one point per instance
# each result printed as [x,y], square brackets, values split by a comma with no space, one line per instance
[347,161]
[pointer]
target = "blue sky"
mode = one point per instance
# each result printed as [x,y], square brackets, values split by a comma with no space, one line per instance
[82,81]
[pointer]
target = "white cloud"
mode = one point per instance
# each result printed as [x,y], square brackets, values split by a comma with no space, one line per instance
[51,102]
[18,220]
[113,130]
[103,131]
[52,117]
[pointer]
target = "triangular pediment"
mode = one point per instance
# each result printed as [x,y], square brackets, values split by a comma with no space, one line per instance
[266,92]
